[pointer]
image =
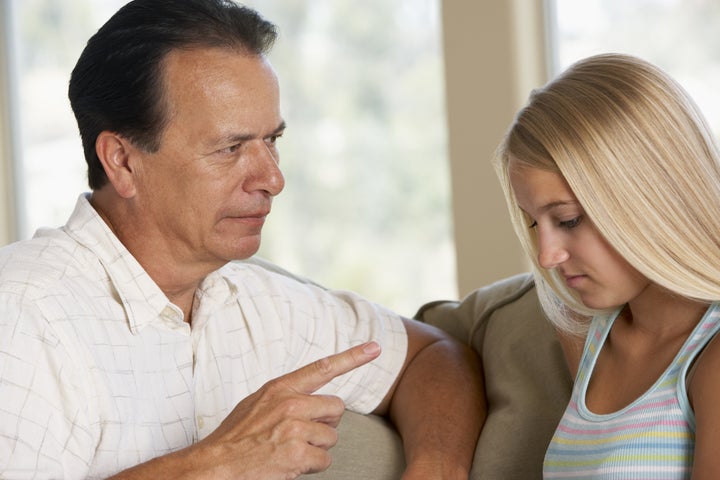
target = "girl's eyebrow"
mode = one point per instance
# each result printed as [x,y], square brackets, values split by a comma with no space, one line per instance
[558,203]
[552,205]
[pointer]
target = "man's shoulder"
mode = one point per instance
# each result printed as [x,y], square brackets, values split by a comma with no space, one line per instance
[39,263]
[259,267]
[257,277]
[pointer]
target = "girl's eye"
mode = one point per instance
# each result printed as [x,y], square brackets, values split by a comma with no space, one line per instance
[533,225]
[569,224]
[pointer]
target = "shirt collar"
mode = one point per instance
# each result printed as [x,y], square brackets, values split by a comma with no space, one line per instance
[142,299]
[215,291]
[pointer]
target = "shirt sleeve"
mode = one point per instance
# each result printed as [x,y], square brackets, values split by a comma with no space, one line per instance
[321,322]
[364,388]
[44,429]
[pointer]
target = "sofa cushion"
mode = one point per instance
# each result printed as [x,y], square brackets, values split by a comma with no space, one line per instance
[369,448]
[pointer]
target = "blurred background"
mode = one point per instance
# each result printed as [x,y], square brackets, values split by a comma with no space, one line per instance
[394,109]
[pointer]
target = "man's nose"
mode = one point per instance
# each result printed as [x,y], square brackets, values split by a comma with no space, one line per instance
[264,170]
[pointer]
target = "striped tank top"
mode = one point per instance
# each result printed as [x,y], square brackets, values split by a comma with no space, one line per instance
[652,438]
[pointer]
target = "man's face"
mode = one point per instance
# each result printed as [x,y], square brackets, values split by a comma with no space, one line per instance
[205,193]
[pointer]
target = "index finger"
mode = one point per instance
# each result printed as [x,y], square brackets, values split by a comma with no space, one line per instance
[313,376]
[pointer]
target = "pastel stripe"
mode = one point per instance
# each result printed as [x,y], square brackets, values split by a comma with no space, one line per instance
[637,458]
[578,431]
[613,472]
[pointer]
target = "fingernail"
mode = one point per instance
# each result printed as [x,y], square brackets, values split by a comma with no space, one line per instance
[371,348]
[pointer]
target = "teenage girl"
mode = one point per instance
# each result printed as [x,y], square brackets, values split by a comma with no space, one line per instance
[612,179]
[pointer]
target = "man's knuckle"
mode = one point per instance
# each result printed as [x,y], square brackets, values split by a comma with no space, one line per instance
[334,436]
[294,428]
[297,451]
[325,461]
[291,407]
[333,406]
[324,366]
[272,386]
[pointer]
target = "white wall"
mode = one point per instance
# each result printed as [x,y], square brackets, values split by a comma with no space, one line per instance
[494,55]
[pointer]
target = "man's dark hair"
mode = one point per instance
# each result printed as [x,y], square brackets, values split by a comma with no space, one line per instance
[116,84]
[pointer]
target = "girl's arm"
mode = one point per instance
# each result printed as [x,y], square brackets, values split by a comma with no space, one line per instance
[704,396]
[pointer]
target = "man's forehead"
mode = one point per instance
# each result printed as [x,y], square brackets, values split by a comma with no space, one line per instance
[203,60]
[217,76]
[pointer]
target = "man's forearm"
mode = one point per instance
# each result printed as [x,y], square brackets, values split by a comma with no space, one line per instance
[439,407]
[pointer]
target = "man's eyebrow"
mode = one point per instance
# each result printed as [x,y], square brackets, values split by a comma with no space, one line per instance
[244,137]
[282,126]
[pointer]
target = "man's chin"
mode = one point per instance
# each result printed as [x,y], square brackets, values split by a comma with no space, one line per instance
[244,249]
[229,247]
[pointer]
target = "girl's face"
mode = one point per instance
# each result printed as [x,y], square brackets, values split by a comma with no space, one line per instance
[569,242]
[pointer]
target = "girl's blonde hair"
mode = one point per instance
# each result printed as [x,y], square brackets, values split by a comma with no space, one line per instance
[641,160]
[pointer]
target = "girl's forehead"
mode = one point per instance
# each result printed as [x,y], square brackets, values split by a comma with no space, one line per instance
[537,188]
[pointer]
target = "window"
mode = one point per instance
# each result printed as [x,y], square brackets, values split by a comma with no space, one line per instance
[679,36]
[46,40]
[367,201]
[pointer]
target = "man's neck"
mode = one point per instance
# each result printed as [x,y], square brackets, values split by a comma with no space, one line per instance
[178,280]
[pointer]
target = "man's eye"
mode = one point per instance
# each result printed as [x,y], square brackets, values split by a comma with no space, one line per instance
[274,138]
[569,224]
[232,148]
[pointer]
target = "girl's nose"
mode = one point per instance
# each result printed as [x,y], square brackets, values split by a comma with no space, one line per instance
[551,252]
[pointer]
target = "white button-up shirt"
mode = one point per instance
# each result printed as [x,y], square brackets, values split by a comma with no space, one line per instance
[99,372]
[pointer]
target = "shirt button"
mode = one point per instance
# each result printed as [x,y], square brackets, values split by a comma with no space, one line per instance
[200,422]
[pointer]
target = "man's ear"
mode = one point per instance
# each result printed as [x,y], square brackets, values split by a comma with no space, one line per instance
[115,154]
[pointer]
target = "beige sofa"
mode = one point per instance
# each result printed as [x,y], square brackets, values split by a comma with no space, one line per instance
[526,379]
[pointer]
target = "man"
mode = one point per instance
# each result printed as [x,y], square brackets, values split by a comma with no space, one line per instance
[131,344]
